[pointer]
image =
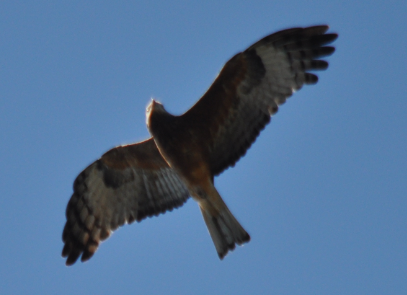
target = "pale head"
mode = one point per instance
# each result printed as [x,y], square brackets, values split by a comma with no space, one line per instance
[153,106]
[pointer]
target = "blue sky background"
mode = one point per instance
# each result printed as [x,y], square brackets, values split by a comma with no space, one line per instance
[322,192]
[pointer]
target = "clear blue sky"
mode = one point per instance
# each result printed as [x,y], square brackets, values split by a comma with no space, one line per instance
[322,192]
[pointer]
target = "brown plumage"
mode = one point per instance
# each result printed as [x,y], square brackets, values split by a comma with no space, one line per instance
[185,152]
[127,183]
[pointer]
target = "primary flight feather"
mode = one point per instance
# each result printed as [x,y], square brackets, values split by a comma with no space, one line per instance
[186,152]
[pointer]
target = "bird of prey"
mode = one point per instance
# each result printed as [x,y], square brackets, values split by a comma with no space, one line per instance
[186,152]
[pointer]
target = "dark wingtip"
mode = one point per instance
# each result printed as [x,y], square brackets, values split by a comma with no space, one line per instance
[328,50]
[327,38]
[319,65]
[310,79]
[66,250]
[334,36]
[86,256]
[246,238]
[222,254]
[319,29]
[72,258]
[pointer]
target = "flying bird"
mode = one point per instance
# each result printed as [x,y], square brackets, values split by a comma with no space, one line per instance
[186,152]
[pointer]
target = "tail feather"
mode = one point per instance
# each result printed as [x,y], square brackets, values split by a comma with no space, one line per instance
[224,229]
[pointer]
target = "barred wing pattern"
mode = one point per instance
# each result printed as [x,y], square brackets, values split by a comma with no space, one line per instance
[127,183]
[252,85]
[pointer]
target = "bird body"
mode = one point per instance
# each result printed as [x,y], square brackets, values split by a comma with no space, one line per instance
[191,163]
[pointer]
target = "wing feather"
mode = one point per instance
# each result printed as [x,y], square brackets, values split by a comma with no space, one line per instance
[251,86]
[127,183]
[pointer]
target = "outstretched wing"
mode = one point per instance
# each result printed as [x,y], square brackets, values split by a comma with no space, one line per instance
[127,183]
[251,86]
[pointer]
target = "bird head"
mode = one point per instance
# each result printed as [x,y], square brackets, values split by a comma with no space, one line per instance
[153,107]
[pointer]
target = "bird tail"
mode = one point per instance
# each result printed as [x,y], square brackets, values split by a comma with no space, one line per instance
[223,227]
